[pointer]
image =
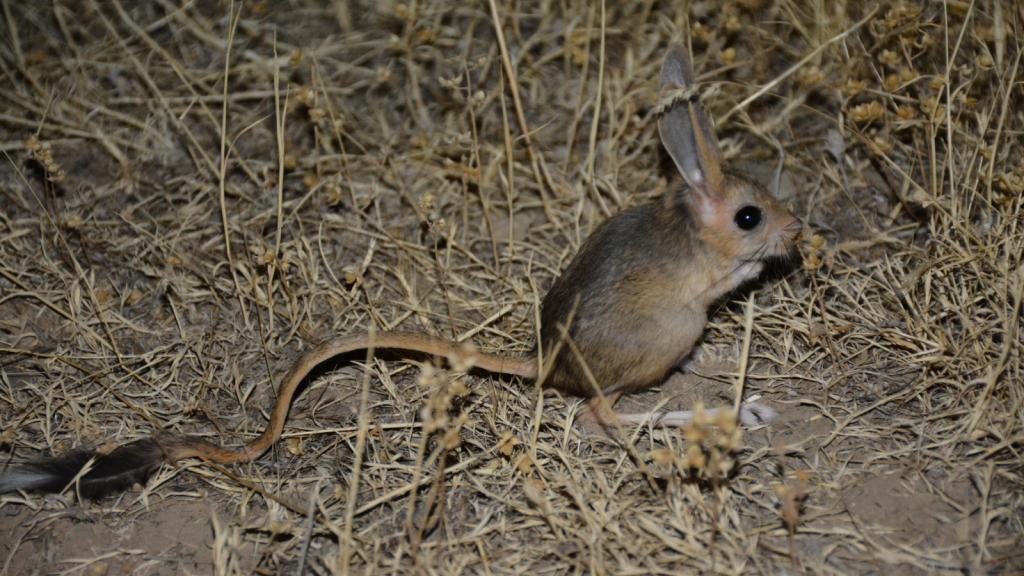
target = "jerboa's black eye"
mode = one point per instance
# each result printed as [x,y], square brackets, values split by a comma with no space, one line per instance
[748,217]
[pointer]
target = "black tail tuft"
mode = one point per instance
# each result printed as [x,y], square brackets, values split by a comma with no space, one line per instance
[115,471]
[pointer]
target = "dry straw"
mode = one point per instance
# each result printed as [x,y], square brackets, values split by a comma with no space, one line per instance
[194,193]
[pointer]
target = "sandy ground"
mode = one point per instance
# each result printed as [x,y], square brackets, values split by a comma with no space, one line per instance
[184,213]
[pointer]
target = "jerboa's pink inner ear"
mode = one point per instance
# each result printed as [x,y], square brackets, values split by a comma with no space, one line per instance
[685,129]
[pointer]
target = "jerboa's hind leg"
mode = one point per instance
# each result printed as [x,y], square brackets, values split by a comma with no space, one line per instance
[751,414]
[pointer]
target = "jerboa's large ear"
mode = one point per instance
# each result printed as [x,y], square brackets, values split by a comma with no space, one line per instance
[695,151]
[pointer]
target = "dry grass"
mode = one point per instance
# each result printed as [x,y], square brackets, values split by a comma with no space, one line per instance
[155,275]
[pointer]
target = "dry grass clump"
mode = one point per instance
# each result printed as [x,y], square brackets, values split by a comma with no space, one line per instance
[195,193]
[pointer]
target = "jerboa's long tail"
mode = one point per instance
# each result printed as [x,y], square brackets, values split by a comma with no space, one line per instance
[94,475]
